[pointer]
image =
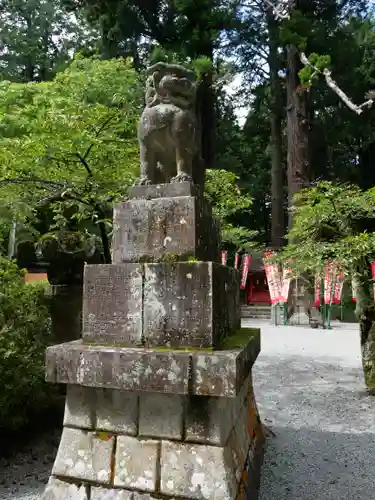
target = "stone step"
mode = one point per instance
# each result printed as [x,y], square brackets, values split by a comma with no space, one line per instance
[259,311]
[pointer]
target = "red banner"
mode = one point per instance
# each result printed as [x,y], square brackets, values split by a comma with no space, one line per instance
[285,285]
[224,254]
[273,278]
[354,291]
[236,259]
[245,270]
[337,289]
[317,291]
[329,271]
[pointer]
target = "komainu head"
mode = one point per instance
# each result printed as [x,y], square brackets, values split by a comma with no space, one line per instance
[170,84]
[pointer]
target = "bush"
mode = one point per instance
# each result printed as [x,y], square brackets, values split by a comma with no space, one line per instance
[25,332]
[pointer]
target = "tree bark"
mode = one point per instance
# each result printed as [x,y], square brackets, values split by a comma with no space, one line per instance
[277,168]
[206,111]
[297,129]
[365,311]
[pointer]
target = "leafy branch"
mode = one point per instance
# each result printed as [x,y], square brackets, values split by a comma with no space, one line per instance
[282,11]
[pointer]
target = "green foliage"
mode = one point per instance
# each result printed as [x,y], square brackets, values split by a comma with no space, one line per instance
[38,39]
[25,332]
[70,142]
[228,202]
[332,223]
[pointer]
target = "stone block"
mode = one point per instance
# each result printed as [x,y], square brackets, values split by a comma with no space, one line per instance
[104,494]
[112,304]
[118,368]
[222,373]
[80,407]
[117,411]
[169,190]
[84,455]
[145,230]
[59,490]
[218,373]
[186,304]
[161,415]
[209,419]
[196,471]
[242,428]
[136,463]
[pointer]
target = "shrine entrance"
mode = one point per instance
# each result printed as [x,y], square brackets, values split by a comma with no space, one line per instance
[257,288]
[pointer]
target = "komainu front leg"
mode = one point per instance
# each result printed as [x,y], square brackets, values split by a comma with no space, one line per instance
[148,166]
[184,168]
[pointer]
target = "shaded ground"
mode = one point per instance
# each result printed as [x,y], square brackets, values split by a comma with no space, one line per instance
[310,391]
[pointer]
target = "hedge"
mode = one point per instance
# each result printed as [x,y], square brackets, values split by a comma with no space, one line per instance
[25,332]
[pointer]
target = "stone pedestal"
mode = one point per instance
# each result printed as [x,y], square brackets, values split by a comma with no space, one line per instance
[160,402]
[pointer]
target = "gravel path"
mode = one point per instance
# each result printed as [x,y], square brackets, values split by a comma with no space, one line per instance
[310,392]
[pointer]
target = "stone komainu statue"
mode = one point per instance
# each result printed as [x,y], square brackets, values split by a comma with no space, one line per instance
[168,130]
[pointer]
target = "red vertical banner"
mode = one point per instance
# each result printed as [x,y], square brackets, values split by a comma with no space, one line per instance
[373,276]
[337,288]
[273,278]
[236,259]
[317,292]
[224,255]
[245,270]
[287,276]
[328,282]
[354,291]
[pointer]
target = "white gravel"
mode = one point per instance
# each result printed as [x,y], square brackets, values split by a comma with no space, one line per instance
[310,392]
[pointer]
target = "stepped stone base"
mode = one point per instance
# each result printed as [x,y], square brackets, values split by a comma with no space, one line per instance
[202,443]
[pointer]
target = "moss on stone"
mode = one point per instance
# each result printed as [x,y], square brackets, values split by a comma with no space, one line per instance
[193,259]
[239,339]
[231,342]
[180,349]
[168,258]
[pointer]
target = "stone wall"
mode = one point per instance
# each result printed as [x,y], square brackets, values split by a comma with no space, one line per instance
[169,445]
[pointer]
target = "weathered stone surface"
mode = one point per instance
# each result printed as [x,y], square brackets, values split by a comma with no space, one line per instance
[170,190]
[226,312]
[185,304]
[117,411]
[242,427]
[147,230]
[195,471]
[118,368]
[59,490]
[246,359]
[80,407]
[84,455]
[112,304]
[136,463]
[104,494]
[219,373]
[252,474]
[117,494]
[222,373]
[209,419]
[161,415]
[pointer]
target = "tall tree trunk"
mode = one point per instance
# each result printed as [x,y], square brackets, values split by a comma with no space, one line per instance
[277,169]
[29,71]
[206,110]
[206,105]
[365,312]
[297,128]
[298,163]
